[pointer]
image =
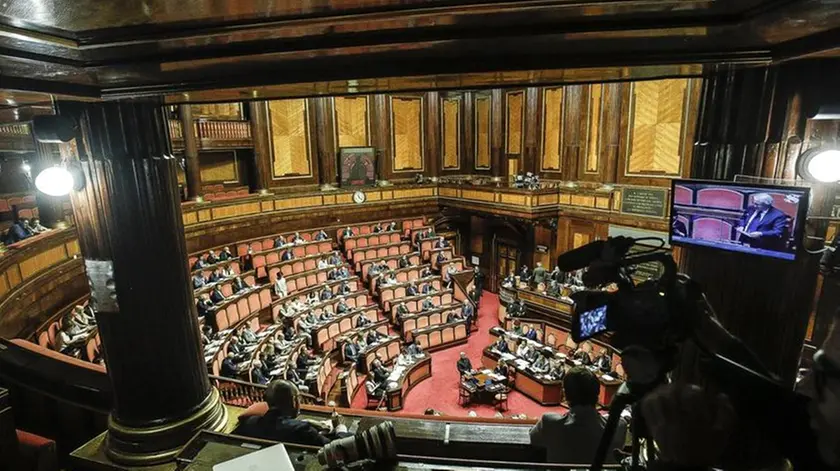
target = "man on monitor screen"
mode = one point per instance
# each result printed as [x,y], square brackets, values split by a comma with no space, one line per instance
[762,226]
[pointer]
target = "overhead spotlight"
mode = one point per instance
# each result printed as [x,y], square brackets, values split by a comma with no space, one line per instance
[820,165]
[25,167]
[55,181]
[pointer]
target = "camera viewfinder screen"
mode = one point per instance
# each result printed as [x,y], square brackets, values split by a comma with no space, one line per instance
[593,322]
[755,219]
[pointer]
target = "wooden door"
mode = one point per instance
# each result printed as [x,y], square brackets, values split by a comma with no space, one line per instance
[507,256]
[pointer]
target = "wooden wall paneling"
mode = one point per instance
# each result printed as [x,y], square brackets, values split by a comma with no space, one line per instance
[407,131]
[261,132]
[484,142]
[576,121]
[611,130]
[451,132]
[655,141]
[602,133]
[543,236]
[431,119]
[326,150]
[531,122]
[219,167]
[514,122]
[290,122]
[498,163]
[551,131]
[218,111]
[352,124]
[562,242]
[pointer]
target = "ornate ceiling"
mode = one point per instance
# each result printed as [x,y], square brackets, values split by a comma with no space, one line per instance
[262,48]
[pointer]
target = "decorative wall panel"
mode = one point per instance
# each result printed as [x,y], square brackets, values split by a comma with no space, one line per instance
[482,132]
[289,124]
[351,121]
[593,129]
[655,133]
[451,133]
[407,133]
[221,111]
[513,136]
[552,130]
[218,167]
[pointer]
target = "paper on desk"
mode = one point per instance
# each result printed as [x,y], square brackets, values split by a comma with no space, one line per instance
[273,458]
[607,377]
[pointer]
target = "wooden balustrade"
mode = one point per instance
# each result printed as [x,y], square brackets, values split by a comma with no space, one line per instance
[243,394]
[214,134]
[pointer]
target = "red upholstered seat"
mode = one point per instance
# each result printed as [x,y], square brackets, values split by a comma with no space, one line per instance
[36,452]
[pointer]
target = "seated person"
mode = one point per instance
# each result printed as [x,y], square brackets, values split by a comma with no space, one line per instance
[322,263]
[463,364]
[524,274]
[428,305]
[389,279]
[404,358]
[427,288]
[321,235]
[344,288]
[454,316]
[509,280]
[293,376]
[404,262]
[197,265]
[523,350]
[198,281]
[380,372]
[289,332]
[342,307]
[411,289]
[352,351]
[225,254]
[343,272]
[257,373]
[217,296]
[240,285]
[502,369]
[554,289]
[215,276]
[362,321]
[425,272]
[541,363]
[441,258]
[334,259]
[501,345]
[377,228]
[308,322]
[205,306]
[413,348]
[400,313]
[247,261]
[313,298]
[227,272]
[373,336]
[582,356]
[326,293]
[280,241]
[557,370]
[297,239]
[326,314]
[517,327]
[347,232]
[530,332]
[211,257]
[574,437]
[287,255]
[441,243]
[229,369]
[332,274]
[374,389]
[37,227]
[247,335]
[305,359]
[603,362]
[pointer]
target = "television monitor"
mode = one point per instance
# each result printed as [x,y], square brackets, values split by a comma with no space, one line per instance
[766,220]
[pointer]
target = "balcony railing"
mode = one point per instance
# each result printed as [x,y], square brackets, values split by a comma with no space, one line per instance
[214,134]
[244,394]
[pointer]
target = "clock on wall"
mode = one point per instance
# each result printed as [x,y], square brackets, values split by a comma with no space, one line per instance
[359,197]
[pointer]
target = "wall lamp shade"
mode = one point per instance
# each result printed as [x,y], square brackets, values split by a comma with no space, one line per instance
[821,165]
[55,181]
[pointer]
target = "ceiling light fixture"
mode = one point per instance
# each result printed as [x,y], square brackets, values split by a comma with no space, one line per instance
[820,165]
[55,181]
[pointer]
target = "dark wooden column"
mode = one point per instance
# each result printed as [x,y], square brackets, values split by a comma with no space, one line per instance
[50,208]
[532,118]
[131,235]
[766,302]
[498,161]
[193,169]
[262,145]
[325,144]
[432,134]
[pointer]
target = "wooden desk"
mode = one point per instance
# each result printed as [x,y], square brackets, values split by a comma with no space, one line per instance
[413,303]
[546,392]
[388,350]
[413,374]
[441,336]
[421,320]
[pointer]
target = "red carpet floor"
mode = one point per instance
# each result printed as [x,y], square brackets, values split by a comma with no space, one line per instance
[440,392]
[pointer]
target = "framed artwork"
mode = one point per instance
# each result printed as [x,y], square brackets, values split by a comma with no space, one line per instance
[356,166]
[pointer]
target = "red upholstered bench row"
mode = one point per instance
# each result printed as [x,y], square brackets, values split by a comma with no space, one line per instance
[367,228]
[291,267]
[380,251]
[391,260]
[236,308]
[414,303]
[402,274]
[367,240]
[220,194]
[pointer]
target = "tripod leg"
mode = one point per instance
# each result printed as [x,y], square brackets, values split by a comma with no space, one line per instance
[619,402]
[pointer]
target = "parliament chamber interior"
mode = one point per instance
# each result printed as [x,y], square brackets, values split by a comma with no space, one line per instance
[446,235]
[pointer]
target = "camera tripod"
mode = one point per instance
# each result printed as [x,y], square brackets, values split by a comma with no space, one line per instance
[626,396]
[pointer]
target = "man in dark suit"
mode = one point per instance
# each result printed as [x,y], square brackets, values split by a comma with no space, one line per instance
[205,306]
[531,334]
[501,346]
[217,296]
[287,255]
[198,281]
[464,366]
[342,307]
[239,285]
[257,375]
[428,305]
[411,289]
[404,263]
[678,227]
[351,351]
[281,424]
[247,261]
[604,362]
[574,437]
[362,321]
[229,366]
[762,226]
[380,373]
[326,293]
